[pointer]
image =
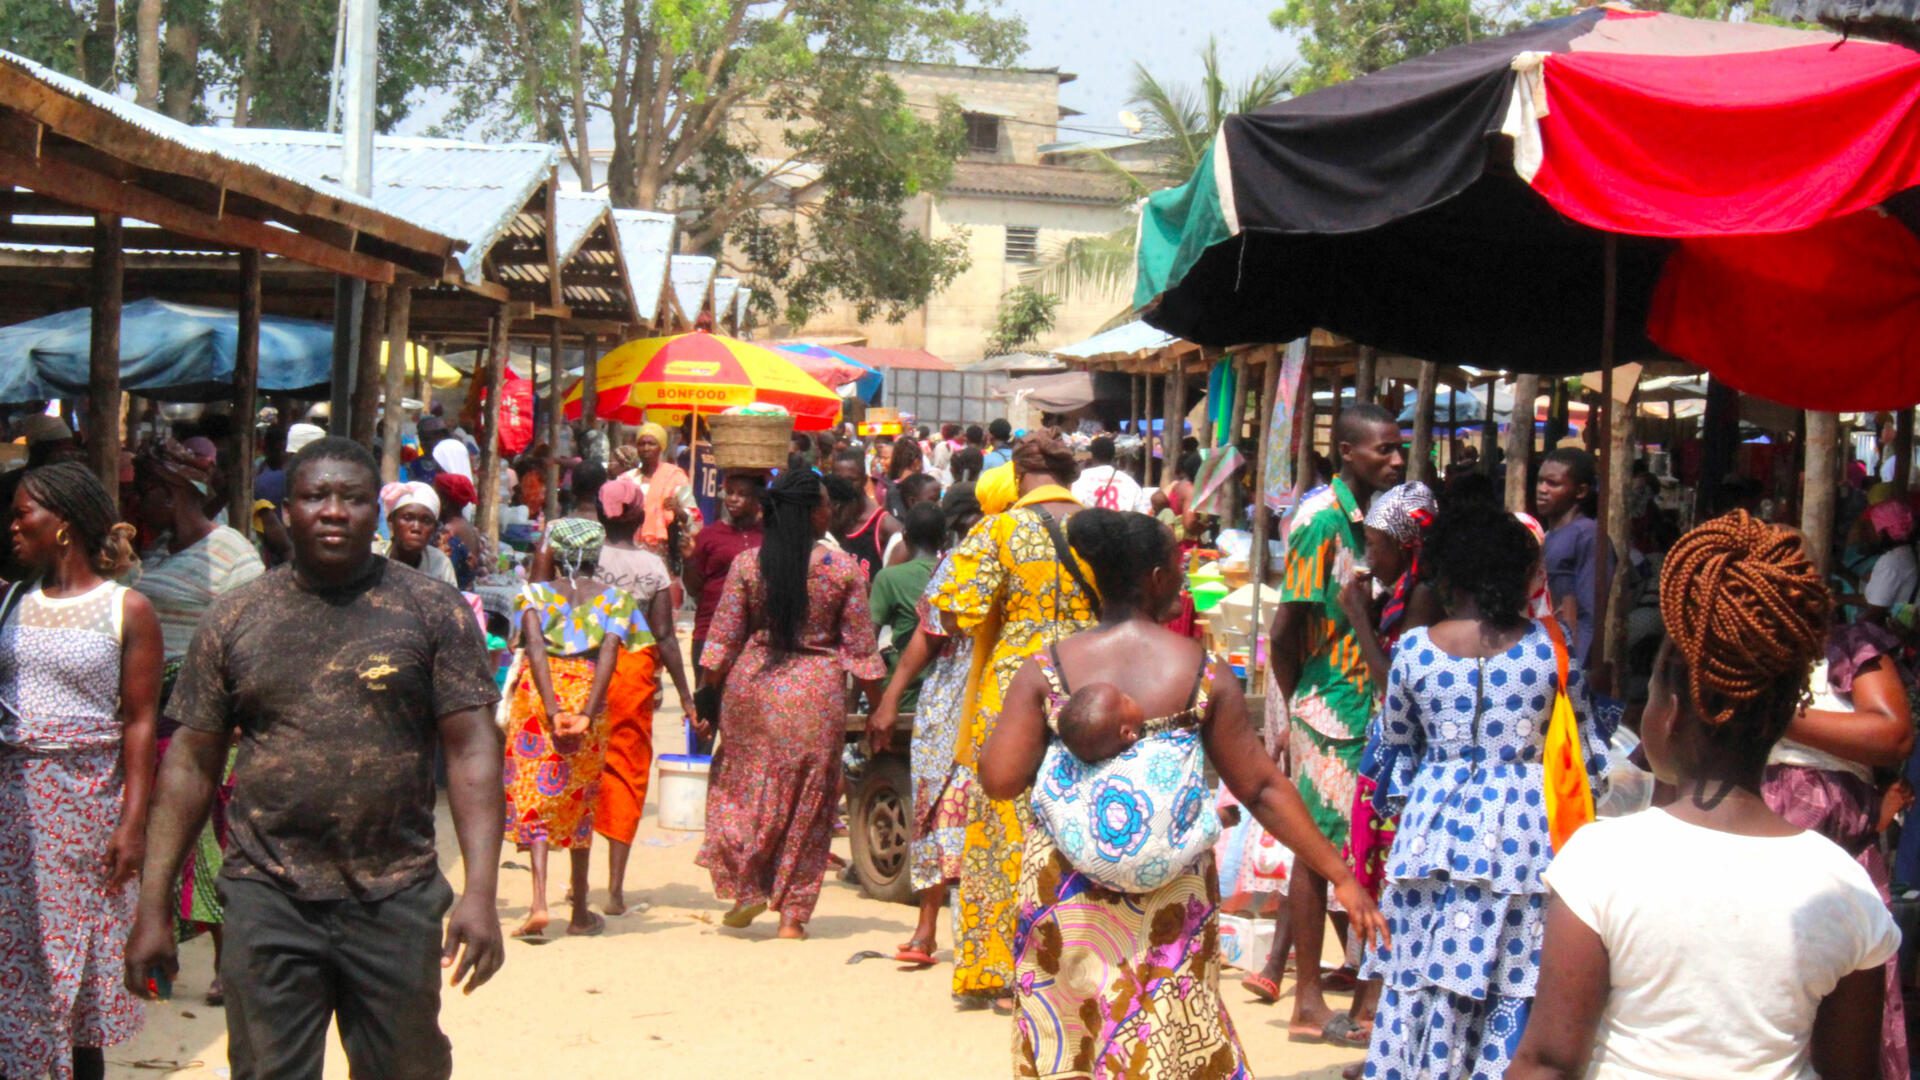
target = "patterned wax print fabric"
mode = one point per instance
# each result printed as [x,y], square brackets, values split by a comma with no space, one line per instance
[1334,698]
[1116,984]
[939,808]
[783,722]
[577,629]
[1464,897]
[1007,584]
[62,932]
[551,791]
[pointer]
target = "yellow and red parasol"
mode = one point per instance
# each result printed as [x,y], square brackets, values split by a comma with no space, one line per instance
[665,378]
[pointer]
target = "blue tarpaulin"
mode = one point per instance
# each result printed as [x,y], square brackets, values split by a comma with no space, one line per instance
[168,352]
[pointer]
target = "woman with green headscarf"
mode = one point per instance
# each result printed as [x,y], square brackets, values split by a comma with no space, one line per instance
[572,630]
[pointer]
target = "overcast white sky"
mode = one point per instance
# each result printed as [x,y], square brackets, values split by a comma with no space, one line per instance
[1101,40]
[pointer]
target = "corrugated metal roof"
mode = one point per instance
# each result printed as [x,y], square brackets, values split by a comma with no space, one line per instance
[1043,183]
[646,245]
[173,131]
[742,309]
[575,213]
[725,291]
[1131,339]
[692,278]
[471,191]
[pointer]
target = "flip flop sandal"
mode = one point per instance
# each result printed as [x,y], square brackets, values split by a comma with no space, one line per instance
[916,957]
[741,918]
[1263,989]
[1004,1007]
[594,929]
[1344,1030]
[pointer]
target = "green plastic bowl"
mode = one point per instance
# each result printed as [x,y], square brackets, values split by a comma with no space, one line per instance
[1208,594]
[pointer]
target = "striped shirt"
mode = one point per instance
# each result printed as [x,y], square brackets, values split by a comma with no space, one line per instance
[182,585]
[1326,525]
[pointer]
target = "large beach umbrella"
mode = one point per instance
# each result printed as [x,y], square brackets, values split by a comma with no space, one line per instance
[666,378]
[168,352]
[1751,187]
[836,370]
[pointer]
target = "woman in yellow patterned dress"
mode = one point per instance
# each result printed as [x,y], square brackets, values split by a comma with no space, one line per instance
[572,630]
[1015,588]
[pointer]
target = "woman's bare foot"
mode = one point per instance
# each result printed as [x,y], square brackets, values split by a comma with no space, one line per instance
[616,904]
[535,926]
[585,924]
[791,930]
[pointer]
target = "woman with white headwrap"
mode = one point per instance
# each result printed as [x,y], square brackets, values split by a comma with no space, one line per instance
[413,515]
[571,632]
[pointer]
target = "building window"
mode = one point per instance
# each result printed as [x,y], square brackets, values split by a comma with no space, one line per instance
[1023,243]
[983,133]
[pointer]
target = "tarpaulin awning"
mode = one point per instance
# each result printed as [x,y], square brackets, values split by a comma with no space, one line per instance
[1068,391]
[168,352]
[1456,207]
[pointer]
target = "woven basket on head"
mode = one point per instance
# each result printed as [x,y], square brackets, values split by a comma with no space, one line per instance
[745,441]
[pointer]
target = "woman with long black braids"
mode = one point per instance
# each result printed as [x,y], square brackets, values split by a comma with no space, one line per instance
[791,625]
[80,676]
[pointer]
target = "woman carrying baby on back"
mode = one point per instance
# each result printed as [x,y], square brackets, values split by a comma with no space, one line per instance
[1118,877]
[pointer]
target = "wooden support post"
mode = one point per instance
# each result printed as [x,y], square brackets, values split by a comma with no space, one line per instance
[366,380]
[1526,392]
[556,384]
[1176,432]
[1619,474]
[493,360]
[246,389]
[1337,382]
[103,359]
[1603,575]
[1257,561]
[1133,412]
[1821,483]
[1720,440]
[420,366]
[590,384]
[1489,429]
[1365,375]
[1421,467]
[1204,429]
[1237,409]
[1902,450]
[399,353]
[1145,431]
[1304,476]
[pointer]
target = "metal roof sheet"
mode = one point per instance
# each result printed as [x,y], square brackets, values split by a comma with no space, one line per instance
[470,191]
[725,291]
[742,309]
[692,278]
[646,245]
[575,213]
[1130,339]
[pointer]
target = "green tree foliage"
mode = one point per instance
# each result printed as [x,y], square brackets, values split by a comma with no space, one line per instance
[76,37]
[772,129]
[1025,313]
[1344,39]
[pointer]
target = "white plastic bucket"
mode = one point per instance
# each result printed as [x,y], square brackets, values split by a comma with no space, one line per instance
[683,791]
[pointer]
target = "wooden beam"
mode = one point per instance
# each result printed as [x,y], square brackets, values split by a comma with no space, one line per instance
[246,387]
[487,517]
[555,382]
[366,380]
[1421,467]
[1821,482]
[399,312]
[1526,390]
[102,195]
[103,357]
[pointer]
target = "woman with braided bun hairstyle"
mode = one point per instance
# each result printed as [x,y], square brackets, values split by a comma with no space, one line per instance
[1469,701]
[80,679]
[1711,937]
[791,627]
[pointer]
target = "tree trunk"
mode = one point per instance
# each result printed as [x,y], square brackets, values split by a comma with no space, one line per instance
[1526,390]
[1421,467]
[180,69]
[103,358]
[249,63]
[583,154]
[100,48]
[146,79]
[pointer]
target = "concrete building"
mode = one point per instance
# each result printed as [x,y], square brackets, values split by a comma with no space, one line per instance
[1014,198]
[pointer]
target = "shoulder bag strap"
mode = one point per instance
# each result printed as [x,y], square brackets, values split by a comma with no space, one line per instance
[1199,679]
[1552,624]
[1063,555]
[1059,669]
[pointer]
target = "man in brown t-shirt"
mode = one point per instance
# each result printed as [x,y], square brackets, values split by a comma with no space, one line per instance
[341,673]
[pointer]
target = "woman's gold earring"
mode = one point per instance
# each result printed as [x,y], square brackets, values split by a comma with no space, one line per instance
[60,537]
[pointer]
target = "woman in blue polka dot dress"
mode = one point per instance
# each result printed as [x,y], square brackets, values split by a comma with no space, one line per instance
[1469,698]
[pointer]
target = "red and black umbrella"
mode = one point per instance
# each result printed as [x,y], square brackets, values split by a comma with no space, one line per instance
[1757,184]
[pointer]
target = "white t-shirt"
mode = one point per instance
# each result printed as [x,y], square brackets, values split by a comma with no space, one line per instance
[1107,487]
[1721,947]
[1894,577]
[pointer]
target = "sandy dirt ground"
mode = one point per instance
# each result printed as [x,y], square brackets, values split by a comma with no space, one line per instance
[668,993]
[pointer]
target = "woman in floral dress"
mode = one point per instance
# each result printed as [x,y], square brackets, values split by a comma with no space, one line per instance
[1010,588]
[1119,984]
[80,664]
[572,631]
[791,626]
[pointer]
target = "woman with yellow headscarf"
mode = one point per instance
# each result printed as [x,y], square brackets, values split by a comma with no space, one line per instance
[1016,589]
[672,515]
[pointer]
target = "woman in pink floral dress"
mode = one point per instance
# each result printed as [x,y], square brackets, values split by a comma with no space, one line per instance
[791,626]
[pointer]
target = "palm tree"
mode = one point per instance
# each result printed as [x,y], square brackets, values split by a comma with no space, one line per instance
[1180,123]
